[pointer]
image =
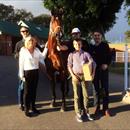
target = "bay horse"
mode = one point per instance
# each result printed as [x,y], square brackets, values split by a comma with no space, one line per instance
[55,63]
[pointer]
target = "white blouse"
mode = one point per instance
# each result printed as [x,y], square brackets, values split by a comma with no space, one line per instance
[28,61]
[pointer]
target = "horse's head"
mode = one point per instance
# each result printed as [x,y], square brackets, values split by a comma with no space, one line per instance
[55,34]
[55,27]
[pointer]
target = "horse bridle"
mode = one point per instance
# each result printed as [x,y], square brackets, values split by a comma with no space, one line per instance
[56,34]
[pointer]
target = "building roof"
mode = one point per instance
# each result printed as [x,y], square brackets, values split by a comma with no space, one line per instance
[13,29]
[9,28]
[119,46]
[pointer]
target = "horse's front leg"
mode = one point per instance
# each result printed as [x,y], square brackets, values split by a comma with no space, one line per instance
[53,93]
[63,105]
[67,89]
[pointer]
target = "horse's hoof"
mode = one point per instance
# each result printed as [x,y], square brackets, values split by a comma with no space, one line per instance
[62,110]
[53,104]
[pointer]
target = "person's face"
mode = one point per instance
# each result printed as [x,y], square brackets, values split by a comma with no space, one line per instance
[75,35]
[31,44]
[77,45]
[97,37]
[24,32]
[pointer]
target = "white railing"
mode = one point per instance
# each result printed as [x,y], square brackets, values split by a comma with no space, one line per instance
[126,60]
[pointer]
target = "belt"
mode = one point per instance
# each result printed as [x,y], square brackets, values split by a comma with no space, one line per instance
[80,74]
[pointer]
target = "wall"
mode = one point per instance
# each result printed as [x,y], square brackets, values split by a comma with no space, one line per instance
[5,45]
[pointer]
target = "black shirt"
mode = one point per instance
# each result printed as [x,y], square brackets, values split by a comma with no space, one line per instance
[101,53]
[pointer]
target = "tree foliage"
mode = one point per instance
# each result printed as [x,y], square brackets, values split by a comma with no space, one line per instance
[43,19]
[127,33]
[86,14]
[127,4]
[8,13]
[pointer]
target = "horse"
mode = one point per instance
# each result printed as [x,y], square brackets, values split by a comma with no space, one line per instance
[55,62]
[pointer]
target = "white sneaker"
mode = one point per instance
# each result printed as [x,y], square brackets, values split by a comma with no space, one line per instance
[89,117]
[79,117]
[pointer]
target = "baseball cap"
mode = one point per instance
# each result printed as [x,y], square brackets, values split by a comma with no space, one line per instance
[75,30]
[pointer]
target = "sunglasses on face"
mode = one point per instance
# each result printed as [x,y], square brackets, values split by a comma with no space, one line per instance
[24,31]
[97,35]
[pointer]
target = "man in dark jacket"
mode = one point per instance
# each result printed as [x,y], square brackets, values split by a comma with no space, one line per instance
[24,31]
[100,52]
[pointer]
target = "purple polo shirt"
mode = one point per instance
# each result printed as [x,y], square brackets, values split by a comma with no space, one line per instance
[76,61]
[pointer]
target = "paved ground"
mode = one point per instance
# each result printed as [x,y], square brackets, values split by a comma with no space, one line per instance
[11,118]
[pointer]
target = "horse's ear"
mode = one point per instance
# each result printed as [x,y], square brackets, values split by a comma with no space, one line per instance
[61,11]
[54,12]
[57,11]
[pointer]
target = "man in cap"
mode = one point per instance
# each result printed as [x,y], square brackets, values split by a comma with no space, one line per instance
[24,31]
[76,34]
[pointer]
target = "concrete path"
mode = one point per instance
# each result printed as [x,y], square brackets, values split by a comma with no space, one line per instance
[11,118]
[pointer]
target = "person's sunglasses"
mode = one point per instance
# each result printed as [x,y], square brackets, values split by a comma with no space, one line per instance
[24,31]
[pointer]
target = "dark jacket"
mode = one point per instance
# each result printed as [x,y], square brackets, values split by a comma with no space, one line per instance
[101,53]
[18,46]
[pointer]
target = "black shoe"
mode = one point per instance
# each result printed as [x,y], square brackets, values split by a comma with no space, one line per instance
[34,110]
[97,111]
[21,108]
[27,114]
[107,113]
[79,117]
[89,117]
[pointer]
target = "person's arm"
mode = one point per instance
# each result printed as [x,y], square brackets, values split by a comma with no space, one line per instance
[62,48]
[92,63]
[42,57]
[74,77]
[16,51]
[70,64]
[106,60]
[44,53]
[21,64]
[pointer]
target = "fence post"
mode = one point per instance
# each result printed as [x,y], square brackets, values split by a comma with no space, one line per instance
[126,68]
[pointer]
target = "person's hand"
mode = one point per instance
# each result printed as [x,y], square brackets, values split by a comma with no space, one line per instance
[22,78]
[46,44]
[104,66]
[58,48]
[75,78]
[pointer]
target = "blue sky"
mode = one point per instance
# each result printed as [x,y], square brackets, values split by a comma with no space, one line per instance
[116,34]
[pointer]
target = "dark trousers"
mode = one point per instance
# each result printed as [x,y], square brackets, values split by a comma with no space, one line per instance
[31,80]
[101,85]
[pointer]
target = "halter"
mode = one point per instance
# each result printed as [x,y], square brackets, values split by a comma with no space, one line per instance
[53,30]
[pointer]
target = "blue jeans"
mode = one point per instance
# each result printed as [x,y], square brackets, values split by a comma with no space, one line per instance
[20,92]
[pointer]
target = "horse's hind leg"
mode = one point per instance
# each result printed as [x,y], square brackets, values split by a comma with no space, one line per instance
[53,93]
[63,105]
[67,88]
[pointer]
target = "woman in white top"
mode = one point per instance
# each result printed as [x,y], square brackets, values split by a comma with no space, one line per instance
[29,60]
